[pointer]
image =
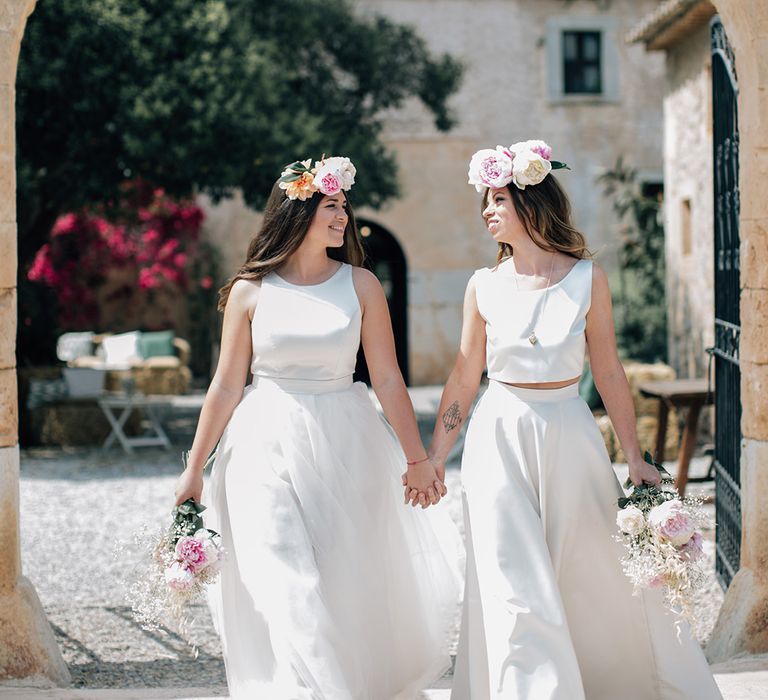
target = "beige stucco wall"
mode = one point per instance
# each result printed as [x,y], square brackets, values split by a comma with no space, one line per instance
[688,178]
[504,98]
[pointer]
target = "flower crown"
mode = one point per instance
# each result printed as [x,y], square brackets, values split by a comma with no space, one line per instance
[329,176]
[524,163]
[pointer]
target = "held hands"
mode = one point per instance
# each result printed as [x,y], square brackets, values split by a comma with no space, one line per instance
[423,483]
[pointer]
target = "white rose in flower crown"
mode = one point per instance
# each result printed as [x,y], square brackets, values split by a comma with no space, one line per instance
[529,168]
[631,520]
[490,168]
[333,175]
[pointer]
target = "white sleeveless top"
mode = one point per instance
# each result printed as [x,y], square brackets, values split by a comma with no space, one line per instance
[510,315]
[307,332]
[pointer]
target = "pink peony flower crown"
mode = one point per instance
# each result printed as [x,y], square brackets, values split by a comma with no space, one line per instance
[329,176]
[524,163]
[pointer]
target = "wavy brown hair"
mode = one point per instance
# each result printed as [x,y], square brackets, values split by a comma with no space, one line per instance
[286,222]
[545,210]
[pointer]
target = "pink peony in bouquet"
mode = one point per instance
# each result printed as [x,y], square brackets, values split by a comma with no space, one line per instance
[183,559]
[660,533]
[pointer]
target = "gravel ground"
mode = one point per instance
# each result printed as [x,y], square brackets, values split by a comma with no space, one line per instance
[77,505]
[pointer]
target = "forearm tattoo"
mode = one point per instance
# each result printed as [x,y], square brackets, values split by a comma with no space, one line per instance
[452,417]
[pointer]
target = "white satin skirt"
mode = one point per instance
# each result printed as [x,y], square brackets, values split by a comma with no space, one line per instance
[332,588]
[548,613]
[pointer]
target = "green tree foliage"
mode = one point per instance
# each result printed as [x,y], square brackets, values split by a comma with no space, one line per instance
[207,95]
[640,303]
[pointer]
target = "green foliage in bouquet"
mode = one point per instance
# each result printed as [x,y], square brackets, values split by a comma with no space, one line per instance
[646,496]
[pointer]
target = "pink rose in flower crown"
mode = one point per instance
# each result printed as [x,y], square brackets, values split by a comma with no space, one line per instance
[671,523]
[692,549]
[539,147]
[333,175]
[490,168]
[178,577]
[191,552]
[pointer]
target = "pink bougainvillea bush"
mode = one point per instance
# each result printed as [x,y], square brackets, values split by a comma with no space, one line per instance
[93,260]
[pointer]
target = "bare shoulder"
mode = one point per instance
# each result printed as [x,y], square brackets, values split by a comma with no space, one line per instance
[367,285]
[244,296]
[601,291]
[364,278]
[599,277]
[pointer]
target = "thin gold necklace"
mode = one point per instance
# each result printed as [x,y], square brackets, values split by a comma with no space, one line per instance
[532,338]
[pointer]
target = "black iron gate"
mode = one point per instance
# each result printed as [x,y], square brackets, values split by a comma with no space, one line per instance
[725,132]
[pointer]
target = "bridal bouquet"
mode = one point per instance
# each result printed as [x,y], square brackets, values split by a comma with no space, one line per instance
[661,534]
[181,561]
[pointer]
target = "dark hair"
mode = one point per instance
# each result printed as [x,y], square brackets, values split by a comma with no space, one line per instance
[546,210]
[286,222]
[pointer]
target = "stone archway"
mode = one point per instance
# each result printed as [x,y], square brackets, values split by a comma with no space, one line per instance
[27,646]
[743,622]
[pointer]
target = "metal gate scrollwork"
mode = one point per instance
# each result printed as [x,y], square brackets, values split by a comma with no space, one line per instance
[725,133]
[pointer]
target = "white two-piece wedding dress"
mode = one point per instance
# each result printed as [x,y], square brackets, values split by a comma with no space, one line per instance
[332,589]
[548,612]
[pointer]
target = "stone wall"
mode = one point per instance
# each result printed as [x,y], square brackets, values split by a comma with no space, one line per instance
[688,203]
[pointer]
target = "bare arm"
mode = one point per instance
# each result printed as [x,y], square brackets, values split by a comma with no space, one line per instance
[387,381]
[463,382]
[610,379]
[226,387]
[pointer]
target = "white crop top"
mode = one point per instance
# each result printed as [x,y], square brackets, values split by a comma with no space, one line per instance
[306,331]
[510,314]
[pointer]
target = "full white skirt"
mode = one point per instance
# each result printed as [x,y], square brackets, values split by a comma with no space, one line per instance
[332,589]
[548,612]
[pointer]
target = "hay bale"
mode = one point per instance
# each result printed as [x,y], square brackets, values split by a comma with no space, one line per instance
[75,424]
[646,436]
[609,435]
[637,373]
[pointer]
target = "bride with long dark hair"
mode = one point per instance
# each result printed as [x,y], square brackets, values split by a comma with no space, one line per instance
[331,587]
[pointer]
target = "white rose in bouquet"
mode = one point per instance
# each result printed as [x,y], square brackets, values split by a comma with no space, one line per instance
[631,520]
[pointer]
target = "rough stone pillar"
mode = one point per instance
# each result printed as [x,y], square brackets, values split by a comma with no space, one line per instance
[28,649]
[743,622]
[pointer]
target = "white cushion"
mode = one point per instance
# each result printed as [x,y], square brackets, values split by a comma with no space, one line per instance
[70,346]
[121,350]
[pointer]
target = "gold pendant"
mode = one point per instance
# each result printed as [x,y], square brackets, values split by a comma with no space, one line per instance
[532,339]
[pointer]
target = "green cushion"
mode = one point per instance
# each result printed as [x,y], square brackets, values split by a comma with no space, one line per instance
[157,344]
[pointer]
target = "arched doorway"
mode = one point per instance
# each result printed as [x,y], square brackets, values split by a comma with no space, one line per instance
[385,258]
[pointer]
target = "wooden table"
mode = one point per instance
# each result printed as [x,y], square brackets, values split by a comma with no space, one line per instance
[125,403]
[680,393]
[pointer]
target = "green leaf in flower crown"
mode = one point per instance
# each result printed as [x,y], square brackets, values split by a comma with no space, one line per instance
[558,165]
[290,178]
